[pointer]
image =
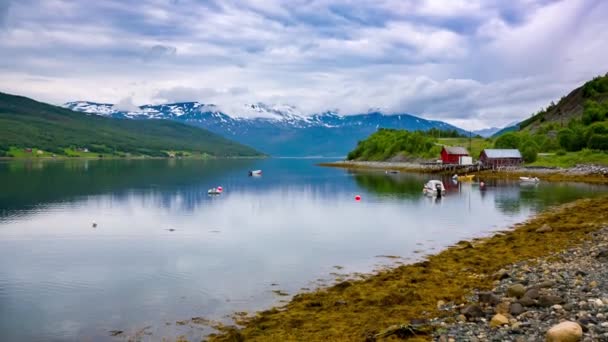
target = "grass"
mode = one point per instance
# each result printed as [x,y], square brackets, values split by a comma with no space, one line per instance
[477,144]
[362,309]
[22,153]
[571,159]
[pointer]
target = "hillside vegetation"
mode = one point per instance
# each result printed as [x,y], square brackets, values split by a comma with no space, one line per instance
[577,123]
[387,143]
[27,124]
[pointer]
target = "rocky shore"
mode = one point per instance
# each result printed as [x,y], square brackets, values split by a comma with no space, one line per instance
[561,297]
[583,172]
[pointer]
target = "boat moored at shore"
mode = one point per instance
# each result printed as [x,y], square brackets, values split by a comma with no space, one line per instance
[434,188]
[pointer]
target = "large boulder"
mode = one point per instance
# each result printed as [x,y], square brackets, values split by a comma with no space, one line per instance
[565,332]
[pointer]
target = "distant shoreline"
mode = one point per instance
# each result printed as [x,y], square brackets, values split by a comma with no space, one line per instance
[580,173]
[58,158]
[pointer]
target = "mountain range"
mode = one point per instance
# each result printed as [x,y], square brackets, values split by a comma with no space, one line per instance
[29,125]
[278,130]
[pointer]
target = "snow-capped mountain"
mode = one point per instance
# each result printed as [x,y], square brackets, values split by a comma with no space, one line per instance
[279,130]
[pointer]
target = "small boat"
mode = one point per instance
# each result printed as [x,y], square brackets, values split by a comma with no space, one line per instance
[434,188]
[466,178]
[255,173]
[214,191]
[393,172]
[529,179]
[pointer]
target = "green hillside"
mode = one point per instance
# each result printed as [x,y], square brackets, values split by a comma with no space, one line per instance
[588,104]
[387,144]
[27,124]
[572,131]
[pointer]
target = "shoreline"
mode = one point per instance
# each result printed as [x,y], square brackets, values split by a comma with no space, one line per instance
[581,173]
[405,299]
[62,158]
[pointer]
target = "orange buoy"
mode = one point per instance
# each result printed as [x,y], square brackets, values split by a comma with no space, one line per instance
[357,198]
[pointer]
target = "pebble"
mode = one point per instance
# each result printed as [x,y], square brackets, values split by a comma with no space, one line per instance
[498,320]
[516,309]
[532,293]
[565,290]
[565,332]
[516,290]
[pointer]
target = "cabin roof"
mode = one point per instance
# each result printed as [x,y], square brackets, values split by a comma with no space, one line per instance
[456,150]
[502,153]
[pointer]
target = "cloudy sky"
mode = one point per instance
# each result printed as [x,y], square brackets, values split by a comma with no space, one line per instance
[472,63]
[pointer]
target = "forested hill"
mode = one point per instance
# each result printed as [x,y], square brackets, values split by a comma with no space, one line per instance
[386,143]
[579,121]
[587,103]
[28,124]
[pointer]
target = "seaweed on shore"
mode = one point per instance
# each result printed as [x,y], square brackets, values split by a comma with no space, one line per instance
[407,296]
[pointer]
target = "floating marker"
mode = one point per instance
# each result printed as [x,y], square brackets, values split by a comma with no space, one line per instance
[220,189]
[357,198]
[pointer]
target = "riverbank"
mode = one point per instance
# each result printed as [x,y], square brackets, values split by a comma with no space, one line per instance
[404,301]
[582,173]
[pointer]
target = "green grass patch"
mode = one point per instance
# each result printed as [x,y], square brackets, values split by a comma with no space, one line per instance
[570,159]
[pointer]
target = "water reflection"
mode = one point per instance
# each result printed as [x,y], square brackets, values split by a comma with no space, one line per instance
[163,250]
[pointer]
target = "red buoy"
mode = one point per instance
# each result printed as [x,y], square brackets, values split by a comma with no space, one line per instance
[357,198]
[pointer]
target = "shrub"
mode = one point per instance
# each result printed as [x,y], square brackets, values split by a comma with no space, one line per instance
[507,140]
[598,142]
[529,153]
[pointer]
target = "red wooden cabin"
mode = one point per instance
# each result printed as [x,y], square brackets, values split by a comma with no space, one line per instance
[451,154]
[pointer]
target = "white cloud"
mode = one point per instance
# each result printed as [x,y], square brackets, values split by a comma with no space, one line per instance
[126,104]
[475,63]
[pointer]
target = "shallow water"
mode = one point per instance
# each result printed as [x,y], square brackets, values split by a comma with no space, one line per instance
[164,251]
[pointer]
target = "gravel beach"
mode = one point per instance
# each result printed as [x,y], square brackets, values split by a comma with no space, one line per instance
[532,296]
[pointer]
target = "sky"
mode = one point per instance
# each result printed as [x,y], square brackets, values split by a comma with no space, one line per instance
[473,63]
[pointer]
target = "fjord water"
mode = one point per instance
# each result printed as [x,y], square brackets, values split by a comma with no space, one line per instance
[164,251]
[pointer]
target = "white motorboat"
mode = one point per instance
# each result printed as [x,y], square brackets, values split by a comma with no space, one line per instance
[434,187]
[255,172]
[529,179]
[214,191]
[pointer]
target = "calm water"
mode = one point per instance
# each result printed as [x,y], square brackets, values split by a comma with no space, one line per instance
[62,279]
